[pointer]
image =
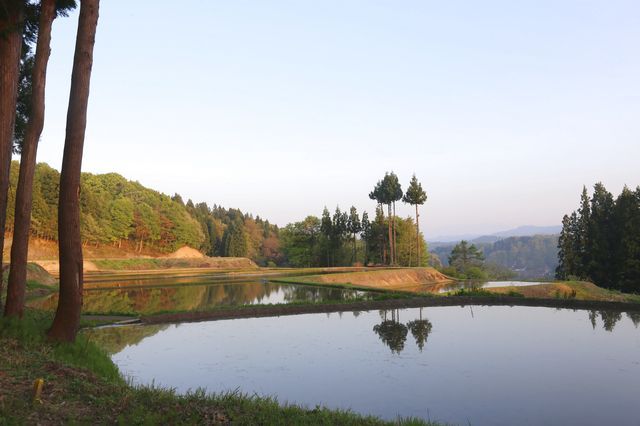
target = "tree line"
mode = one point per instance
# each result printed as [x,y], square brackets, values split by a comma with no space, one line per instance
[346,237]
[600,241]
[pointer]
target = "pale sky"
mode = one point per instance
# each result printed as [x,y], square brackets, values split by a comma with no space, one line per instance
[503,109]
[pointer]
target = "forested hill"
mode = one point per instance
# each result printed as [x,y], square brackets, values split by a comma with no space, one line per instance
[115,210]
[530,257]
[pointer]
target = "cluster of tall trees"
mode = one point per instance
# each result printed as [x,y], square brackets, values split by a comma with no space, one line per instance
[600,241]
[22,106]
[387,192]
[346,238]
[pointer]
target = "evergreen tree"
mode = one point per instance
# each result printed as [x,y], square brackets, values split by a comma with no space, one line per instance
[354,226]
[567,248]
[464,257]
[366,235]
[394,191]
[11,30]
[583,233]
[416,196]
[326,229]
[627,240]
[600,238]
[235,240]
[32,129]
[67,318]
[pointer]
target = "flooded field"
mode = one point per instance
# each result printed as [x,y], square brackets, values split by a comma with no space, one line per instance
[194,295]
[464,365]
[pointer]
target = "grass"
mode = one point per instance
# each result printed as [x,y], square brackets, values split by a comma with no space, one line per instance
[481,292]
[125,264]
[83,386]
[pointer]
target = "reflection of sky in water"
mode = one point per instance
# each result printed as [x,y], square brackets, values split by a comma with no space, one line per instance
[483,284]
[483,365]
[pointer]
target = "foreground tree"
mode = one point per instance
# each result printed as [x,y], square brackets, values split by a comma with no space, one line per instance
[24,192]
[11,24]
[67,317]
[416,196]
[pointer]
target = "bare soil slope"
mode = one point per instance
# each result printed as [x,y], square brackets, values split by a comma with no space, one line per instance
[387,279]
[186,252]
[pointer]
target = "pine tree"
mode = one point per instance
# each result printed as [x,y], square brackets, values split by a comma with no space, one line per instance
[416,196]
[366,235]
[354,227]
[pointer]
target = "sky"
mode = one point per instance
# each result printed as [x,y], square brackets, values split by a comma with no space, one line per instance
[502,109]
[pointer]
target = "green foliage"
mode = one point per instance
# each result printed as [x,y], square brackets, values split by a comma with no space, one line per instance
[300,242]
[530,257]
[463,257]
[235,240]
[415,195]
[601,241]
[113,209]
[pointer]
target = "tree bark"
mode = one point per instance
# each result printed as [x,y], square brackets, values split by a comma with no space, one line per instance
[22,222]
[11,24]
[395,248]
[67,319]
[419,263]
[391,254]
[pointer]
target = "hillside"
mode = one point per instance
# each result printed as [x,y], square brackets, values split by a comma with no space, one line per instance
[123,219]
[530,257]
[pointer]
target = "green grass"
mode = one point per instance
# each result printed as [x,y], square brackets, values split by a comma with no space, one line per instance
[83,386]
[124,264]
[480,292]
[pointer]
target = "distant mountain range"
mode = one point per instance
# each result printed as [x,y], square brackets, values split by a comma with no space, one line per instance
[520,231]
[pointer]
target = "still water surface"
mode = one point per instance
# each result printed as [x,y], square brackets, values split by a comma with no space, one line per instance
[464,365]
[150,300]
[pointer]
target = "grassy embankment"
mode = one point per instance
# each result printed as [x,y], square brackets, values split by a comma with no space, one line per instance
[82,385]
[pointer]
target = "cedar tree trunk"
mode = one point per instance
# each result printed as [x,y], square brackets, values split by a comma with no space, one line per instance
[391,254]
[67,319]
[22,224]
[11,23]
[418,237]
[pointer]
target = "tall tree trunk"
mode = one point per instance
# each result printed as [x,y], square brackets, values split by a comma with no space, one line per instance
[418,237]
[353,257]
[395,248]
[11,24]
[391,257]
[67,319]
[22,224]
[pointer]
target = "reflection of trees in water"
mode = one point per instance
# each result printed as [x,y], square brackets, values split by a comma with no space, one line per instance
[299,293]
[115,339]
[611,318]
[185,297]
[420,329]
[593,316]
[634,317]
[393,333]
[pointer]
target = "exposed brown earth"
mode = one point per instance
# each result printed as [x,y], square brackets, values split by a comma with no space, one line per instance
[186,252]
[383,279]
